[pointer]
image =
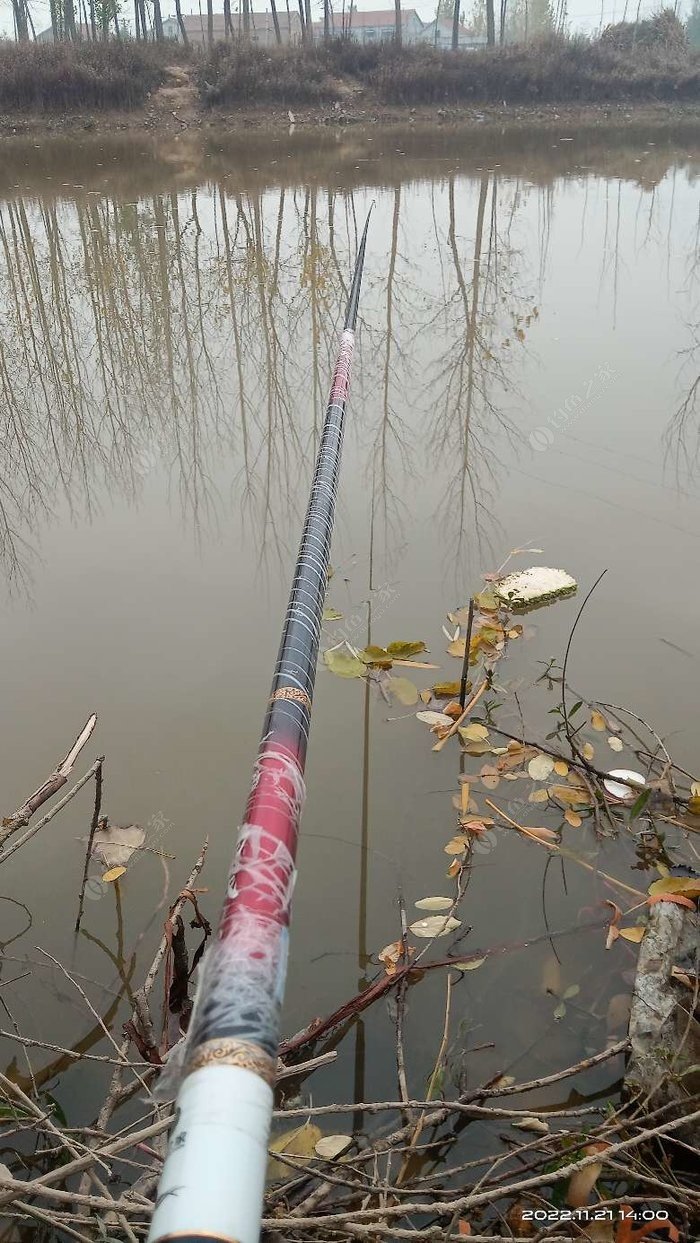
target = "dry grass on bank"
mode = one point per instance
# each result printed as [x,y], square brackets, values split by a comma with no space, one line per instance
[52,77]
[555,70]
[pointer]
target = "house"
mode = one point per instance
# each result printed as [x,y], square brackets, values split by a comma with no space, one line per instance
[262,27]
[438,34]
[375,26]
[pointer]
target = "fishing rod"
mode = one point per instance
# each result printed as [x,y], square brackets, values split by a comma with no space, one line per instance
[213,1180]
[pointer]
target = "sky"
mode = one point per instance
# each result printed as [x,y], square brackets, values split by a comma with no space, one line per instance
[584,15]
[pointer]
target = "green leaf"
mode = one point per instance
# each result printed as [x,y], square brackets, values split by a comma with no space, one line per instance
[446,690]
[638,807]
[572,991]
[377,656]
[404,690]
[343,663]
[401,650]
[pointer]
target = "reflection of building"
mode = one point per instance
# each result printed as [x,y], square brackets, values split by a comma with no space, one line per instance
[262,30]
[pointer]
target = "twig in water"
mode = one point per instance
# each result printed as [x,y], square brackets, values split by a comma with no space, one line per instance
[91,838]
[40,824]
[58,778]
[465,666]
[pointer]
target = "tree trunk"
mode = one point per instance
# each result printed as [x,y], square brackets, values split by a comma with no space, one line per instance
[490,24]
[20,16]
[137,19]
[455,27]
[54,21]
[326,20]
[157,21]
[93,22]
[504,15]
[181,23]
[117,31]
[228,22]
[398,33]
[246,19]
[309,22]
[69,19]
[302,21]
[276,23]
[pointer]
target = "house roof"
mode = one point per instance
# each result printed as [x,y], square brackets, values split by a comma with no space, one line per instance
[378,17]
[259,21]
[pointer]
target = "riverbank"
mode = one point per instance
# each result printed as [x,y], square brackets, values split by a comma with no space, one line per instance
[170,113]
[68,88]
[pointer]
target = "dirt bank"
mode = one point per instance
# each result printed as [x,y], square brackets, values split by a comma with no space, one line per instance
[175,107]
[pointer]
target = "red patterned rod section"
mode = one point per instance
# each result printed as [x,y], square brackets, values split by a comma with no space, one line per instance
[213,1180]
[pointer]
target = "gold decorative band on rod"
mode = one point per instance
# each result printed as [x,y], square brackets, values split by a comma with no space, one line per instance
[223,1051]
[292,692]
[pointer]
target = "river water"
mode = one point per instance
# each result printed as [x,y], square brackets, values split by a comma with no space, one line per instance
[528,339]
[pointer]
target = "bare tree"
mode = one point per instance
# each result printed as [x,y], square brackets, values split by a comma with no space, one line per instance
[19,11]
[398,33]
[210,22]
[157,21]
[181,22]
[490,23]
[276,23]
[455,26]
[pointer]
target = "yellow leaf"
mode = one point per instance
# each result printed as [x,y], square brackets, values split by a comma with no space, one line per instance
[688,886]
[588,751]
[445,690]
[469,965]
[113,874]
[573,818]
[538,796]
[570,794]
[300,1142]
[632,934]
[457,647]
[561,768]
[474,732]
[598,721]
[694,805]
[456,846]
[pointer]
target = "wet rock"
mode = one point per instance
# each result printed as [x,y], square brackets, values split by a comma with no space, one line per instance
[664,1062]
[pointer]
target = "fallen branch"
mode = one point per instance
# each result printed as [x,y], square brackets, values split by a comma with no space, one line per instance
[58,778]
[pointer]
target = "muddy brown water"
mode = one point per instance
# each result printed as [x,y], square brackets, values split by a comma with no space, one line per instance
[528,337]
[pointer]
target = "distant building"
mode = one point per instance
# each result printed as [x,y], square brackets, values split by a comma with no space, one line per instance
[262,28]
[439,34]
[375,26]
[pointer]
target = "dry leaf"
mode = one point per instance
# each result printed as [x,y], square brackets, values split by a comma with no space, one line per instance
[469,965]
[113,874]
[538,796]
[561,768]
[433,718]
[615,743]
[404,690]
[573,818]
[474,732]
[344,663]
[583,1181]
[434,904]
[635,934]
[456,846]
[532,1124]
[435,926]
[540,767]
[588,751]
[598,721]
[114,844]
[330,1147]
[300,1142]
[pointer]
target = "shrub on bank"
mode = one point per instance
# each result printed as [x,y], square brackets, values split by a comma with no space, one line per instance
[553,70]
[48,76]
